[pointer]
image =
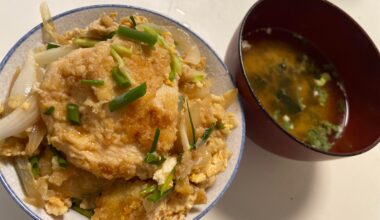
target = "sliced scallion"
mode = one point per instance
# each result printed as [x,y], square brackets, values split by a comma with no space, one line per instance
[325,77]
[122,50]
[149,29]
[133,22]
[192,145]
[110,35]
[175,67]
[208,131]
[121,66]
[49,110]
[85,42]
[155,141]
[206,135]
[148,190]
[35,166]
[136,35]
[92,82]
[219,125]
[51,46]
[154,197]
[154,193]
[168,183]
[199,78]
[152,157]
[73,114]
[121,80]
[128,97]
[160,40]
[61,158]
[76,207]
[117,57]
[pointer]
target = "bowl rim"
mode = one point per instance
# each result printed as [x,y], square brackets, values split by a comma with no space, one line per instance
[239,42]
[9,54]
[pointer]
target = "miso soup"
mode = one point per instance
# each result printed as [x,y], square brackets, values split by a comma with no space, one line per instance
[296,85]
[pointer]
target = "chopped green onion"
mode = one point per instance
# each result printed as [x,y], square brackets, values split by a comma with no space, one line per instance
[121,65]
[322,94]
[219,125]
[137,35]
[325,77]
[155,194]
[121,80]
[175,67]
[167,192]
[49,110]
[287,125]
[161,41]
[206,135]
[35,166]
[199,78]
[85,42]
[155,141]
[73,114]
[61,158]
[62,162]
[208,131]
[154,197]
[149,29]
[152,157]
[133,22]
[76,207]
[117,57]
[110,35]
[319,136]
[166,186]
[92,82]
[122,50]
[127,98]
[148,190]
[192,146]
[51,46]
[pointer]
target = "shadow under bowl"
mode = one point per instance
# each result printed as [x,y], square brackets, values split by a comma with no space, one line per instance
[354,55]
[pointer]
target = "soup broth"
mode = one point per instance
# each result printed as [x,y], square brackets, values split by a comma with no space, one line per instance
[296,85]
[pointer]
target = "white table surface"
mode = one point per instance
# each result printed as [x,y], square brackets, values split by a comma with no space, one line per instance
[267,187]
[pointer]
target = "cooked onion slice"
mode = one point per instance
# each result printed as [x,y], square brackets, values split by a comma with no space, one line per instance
[183,133]
[49,32]
[20,119]
[185,45]
[36,136]
[24,83]
[48,56]
[229,97]
[27,180]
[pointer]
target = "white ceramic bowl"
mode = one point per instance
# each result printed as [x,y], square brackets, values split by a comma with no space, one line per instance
[81,17]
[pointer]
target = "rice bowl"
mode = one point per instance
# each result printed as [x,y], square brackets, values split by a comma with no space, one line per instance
[214,66]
